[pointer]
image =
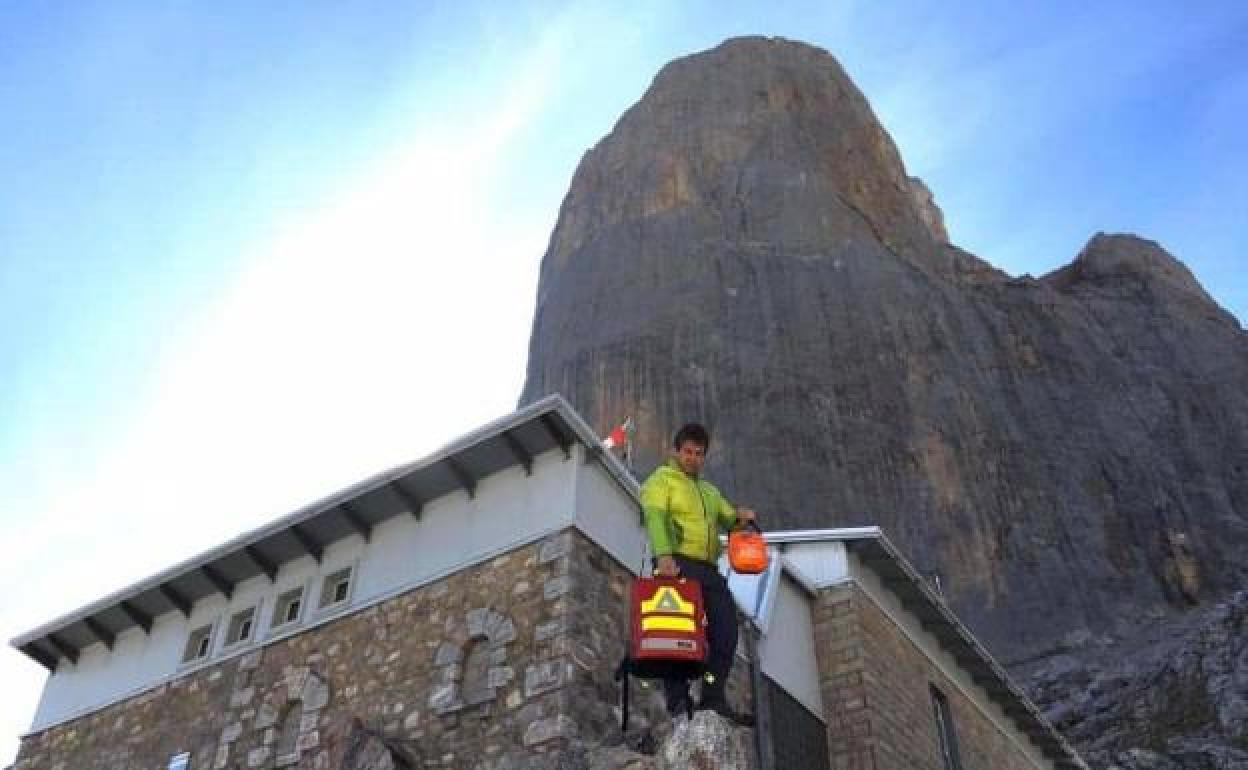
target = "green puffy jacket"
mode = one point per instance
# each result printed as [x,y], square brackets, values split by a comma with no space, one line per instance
[684,515]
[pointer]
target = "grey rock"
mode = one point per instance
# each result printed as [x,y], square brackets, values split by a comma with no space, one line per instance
[308,721]
[449,674]
[550,629]
[500,630]
[746,248]
[266,716]
[477,621]
[231,732]
[315,693]
[444,698]
[494,626]
[543,677]
[929,212]
[543,730]
[498,676]
[477,694]
[556,587]
[448,653]
[620,758]
[705,741]
[296,677]
[555,547]
[240,698]
[1180,698]
[308,740]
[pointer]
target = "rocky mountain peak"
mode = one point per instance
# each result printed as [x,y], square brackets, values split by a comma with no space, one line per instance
[759,140]
[1129,267]
[746,249]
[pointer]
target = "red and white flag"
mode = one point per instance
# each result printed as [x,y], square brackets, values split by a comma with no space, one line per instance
[619,436]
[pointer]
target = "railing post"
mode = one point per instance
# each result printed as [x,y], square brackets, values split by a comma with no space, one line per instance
[762,703]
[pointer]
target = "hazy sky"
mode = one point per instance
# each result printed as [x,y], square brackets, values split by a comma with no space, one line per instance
[252,252]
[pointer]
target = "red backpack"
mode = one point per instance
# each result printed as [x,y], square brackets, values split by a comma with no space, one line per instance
[667,637]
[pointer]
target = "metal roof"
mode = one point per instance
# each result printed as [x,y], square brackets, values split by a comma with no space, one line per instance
[917,596]
[510,441]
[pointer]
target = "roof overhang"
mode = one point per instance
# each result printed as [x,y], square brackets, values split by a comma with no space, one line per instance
[514,440]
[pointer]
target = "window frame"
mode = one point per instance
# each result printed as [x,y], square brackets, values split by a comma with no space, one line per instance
[206,643]
[280,605]
[335,604]
[946,730]
[237,644]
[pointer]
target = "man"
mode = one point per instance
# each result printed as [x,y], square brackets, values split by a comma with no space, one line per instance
[684,514]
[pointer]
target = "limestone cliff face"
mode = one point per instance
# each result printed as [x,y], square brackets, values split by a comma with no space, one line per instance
[747,249]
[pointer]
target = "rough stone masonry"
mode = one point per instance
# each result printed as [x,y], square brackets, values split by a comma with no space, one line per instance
[504,665]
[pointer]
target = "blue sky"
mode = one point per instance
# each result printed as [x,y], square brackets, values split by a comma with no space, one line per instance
[251,252]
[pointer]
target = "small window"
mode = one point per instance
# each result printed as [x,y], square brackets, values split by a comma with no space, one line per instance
[242,625]
[944,728]
[289,607]
[180,761]
[336,588]
[198,644]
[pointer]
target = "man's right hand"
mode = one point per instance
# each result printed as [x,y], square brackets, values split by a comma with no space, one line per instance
[665,566]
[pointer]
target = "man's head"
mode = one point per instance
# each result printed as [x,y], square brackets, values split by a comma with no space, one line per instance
[689,447]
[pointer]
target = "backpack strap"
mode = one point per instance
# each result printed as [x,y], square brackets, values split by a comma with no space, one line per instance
[622,673]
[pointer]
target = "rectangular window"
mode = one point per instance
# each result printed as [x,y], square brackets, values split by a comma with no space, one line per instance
[242,624]
[288,608]
[180,762]
[337,588]
[198,644]
[944,728]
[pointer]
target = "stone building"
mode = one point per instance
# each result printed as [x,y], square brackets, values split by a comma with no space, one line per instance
[468,610]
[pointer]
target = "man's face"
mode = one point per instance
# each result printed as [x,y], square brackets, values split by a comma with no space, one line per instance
[690,456]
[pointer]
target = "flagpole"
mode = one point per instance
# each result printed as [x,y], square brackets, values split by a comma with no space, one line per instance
[628,445]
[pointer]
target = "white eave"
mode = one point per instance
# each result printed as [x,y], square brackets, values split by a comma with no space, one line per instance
[507,442]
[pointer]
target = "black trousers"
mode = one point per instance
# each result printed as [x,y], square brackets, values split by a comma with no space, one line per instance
[721,629]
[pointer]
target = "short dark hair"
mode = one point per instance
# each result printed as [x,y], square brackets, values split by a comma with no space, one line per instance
[692,431]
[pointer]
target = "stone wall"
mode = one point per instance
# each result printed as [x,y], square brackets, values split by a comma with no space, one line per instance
[466,672]
[504,665]
[877,692]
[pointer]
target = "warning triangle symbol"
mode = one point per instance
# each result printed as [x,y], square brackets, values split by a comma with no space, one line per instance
[668,601]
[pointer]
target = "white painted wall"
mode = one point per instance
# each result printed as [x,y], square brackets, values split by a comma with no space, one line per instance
[454,531]
[607,514]
[822,563]
[787,649]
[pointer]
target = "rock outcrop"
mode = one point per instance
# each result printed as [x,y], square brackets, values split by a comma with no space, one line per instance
[746,248]
[1178,699]
[706,741]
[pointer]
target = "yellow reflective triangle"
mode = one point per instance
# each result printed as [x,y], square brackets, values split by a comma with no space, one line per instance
[666,599]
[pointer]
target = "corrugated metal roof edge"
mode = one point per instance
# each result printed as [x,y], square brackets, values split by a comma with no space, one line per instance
[534,411]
